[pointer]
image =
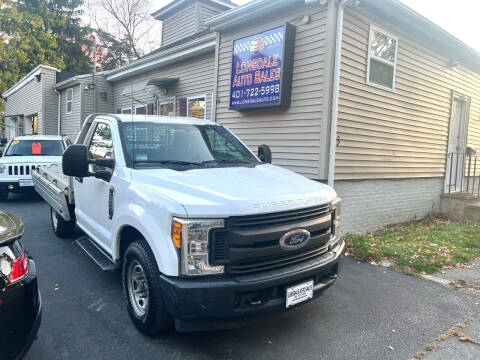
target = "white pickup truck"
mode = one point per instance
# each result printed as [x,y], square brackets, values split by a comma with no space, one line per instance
[22,155]
[207,234]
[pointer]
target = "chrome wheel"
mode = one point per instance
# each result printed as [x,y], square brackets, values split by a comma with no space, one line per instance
[137,288]
[54,220]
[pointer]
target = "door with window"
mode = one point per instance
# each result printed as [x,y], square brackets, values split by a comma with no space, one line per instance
[457,142]
[94,218]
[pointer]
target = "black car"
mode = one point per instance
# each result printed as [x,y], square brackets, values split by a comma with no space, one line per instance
[20,301]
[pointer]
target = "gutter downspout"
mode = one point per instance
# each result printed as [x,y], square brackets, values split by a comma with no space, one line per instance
[336,90]
[59,114]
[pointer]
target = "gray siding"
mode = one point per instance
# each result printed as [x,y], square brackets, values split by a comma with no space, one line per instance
[196,77]
[102,105]
[70,123]
[205,12]
[50,101]
[180,25]
[295,133]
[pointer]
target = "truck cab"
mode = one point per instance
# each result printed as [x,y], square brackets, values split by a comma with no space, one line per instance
[206,233]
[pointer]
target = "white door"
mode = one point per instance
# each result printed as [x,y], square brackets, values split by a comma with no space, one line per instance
[457,141]
[92,195]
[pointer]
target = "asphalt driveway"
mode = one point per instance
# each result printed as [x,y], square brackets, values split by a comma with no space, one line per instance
[370,313]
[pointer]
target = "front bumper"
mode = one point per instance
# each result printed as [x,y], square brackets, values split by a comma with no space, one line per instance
[14,185]
[214,303]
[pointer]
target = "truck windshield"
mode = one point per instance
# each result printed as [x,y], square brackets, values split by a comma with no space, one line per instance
[148,144]
[35,148]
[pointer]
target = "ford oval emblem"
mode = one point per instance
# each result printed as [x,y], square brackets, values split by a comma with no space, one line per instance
[294,239]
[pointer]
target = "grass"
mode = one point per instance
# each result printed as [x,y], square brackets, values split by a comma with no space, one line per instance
[420,247]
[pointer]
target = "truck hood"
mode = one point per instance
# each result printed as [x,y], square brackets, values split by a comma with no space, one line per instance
[30,160]
[212,192]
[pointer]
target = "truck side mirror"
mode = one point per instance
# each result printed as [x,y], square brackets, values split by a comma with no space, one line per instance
[75,161]
[265,154]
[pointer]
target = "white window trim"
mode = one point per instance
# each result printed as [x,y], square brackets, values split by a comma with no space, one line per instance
[168,101]
[137,106]
[370,55]
[68,101]
[126,108]
[195,97]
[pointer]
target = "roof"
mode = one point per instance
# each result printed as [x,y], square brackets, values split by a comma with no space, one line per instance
[189,47]
[389,10]
[39,137]
[77,79]
[160,119]
[176,5]
[27,78]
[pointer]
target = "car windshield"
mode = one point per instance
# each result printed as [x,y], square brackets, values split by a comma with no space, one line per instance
[148,144]
[35,148]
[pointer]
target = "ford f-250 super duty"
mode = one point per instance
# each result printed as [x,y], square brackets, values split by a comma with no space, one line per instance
[207,234]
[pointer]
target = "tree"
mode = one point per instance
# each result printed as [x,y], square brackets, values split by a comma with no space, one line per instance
[34,32]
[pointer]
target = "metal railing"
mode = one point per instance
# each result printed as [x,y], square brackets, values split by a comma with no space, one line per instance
[463,172]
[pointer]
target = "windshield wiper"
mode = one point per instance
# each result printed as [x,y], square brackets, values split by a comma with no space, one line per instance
[169,162]
[224,161]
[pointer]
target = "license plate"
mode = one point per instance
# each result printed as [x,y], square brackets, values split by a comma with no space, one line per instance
[299,293]
[25,182]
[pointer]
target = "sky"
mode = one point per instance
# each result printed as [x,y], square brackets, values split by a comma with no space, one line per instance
[459,17]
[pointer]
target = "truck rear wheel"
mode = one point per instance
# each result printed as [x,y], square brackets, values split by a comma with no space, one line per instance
[142,291]
[60,227]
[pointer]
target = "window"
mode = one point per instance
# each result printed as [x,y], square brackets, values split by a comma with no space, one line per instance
[382,59]
[69,101]
[35,148]
[182,146]
[127,110]
[166,107]
[101,146]
[196,107]
[141,109]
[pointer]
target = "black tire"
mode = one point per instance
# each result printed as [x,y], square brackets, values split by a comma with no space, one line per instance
[3,195]
[60,227]
[155,317]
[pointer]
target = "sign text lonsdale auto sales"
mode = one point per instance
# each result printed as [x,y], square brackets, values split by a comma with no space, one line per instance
[262,69]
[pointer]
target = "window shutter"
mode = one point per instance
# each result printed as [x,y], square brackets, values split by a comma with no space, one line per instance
[149,109]
[118,111]
[182,104]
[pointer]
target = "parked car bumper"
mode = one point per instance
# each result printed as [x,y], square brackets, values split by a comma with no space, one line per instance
[225,302]
[13,185]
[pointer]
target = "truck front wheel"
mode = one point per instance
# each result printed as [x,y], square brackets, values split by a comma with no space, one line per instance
[142,291]
[60,227]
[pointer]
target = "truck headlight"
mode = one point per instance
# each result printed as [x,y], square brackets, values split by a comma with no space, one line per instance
[3,169]
[336,207]
[191,237]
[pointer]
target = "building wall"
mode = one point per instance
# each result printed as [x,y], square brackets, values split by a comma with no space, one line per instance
[196,77]
[295,134]
[50,101]
[180,25]
[205,12]
[401,133]
[27,101]
[369,205]
[70,123]
[103,105]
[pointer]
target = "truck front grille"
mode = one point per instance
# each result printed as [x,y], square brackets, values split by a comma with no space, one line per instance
[16,170]
[252,243]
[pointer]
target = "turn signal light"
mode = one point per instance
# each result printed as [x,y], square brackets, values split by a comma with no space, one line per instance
[177,233]
[19,268]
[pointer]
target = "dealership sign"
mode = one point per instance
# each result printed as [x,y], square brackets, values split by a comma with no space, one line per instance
[262,69]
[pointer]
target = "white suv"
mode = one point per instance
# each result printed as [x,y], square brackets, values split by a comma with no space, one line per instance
[25,153]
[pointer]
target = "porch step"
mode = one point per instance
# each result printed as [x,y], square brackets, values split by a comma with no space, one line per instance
[97,255]
[472,211]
